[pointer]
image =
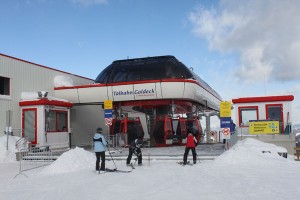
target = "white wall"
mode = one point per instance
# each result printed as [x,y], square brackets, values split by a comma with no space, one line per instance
[27,77]
[85,119]
[262,112]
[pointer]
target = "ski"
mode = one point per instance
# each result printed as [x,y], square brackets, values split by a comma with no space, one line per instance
[117,170]
[188,163]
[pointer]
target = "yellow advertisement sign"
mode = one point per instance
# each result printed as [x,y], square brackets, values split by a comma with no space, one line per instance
[108,104]
[225,109]
[264,127]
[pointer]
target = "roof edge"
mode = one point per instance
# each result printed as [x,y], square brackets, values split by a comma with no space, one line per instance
[43,66]
[263,99]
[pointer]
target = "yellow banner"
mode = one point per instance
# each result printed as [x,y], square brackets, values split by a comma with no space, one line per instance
[225,109]
[264,127]
[108,104]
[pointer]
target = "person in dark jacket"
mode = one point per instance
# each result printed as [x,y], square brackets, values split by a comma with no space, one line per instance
[99,147]
[191,142]
[135,148]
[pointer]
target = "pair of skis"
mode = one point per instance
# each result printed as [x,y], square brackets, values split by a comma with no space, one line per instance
[117,170]
[182,164]
[122,171]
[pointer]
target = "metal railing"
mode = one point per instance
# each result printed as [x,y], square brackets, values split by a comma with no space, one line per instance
[118,140]
[32,157]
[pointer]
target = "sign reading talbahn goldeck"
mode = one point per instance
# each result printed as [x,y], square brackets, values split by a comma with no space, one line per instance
[263,127]
[225,109]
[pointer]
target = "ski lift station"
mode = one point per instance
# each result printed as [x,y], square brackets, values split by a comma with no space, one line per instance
[157,99]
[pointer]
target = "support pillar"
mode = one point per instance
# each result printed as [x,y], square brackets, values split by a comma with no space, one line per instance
[207,119]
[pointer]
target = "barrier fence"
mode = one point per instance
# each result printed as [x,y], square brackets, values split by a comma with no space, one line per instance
[31,157]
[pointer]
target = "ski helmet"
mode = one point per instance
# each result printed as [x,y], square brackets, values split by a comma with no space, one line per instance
[99,130]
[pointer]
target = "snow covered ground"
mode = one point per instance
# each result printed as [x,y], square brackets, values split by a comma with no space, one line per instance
[242,173]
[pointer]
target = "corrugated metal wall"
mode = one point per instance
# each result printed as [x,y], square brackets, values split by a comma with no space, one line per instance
[26,77]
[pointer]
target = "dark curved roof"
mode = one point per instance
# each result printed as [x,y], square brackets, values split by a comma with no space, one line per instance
[141,69]
[149,68]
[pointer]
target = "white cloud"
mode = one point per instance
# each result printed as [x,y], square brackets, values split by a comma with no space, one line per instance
[265,34]
[89,2]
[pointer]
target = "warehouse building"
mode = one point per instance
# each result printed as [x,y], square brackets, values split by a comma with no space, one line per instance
[27,104]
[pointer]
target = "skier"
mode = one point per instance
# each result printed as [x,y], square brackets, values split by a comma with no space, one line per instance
[191,142]
[99,147]
[135,148]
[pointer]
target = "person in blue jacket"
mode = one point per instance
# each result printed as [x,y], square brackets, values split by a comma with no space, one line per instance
[99,147]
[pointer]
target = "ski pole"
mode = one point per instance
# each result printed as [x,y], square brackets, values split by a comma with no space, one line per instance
[198,157]
[135,159]
[111,157]
[149,152]
[119,150]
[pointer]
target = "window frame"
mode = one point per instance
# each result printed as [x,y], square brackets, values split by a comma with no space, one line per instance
[240,109]
[57,112]
[281,120]
[8,86]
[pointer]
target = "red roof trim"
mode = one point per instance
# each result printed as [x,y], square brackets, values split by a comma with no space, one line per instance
[263,99]
[46,102]
[43,66]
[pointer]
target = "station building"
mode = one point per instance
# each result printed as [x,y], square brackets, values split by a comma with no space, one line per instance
[27,101]
[266,118]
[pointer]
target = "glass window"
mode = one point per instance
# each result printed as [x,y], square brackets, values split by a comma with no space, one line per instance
[29,125]
[4,85]
[247,114]
[151,68]
[56,121]
[102,77]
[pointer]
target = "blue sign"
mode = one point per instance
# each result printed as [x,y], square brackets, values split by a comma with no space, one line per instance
[225,122]
[108,113]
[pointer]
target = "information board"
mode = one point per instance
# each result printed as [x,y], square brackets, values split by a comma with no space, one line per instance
[263,127]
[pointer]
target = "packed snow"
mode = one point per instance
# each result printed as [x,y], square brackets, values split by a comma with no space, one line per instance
[249,170]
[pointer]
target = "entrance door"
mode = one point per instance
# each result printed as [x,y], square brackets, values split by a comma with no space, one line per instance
[274,112]
[29,124]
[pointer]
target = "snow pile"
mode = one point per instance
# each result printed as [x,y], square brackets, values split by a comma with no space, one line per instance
[63,81]
[30,96]
[73,160]
[243,172]
[252,150]
[10,154]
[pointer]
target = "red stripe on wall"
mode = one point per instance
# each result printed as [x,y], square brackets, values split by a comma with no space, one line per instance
[263,99]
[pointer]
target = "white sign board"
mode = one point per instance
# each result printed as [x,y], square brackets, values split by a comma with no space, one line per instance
[225,133]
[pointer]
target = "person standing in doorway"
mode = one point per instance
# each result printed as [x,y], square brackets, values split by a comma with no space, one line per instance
[99,147]
[191,142]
